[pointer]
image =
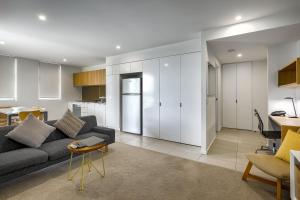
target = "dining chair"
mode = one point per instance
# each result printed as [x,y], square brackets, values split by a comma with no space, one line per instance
[23,114]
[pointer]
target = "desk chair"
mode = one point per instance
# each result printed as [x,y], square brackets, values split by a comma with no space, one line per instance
[266,134]
[23,115]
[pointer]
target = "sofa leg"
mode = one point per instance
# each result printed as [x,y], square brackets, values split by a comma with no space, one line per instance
[278,189]
[247,171]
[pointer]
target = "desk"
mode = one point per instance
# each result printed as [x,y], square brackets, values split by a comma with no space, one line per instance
[14,111]
[286,123]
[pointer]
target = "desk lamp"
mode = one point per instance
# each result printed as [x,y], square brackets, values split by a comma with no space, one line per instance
[291,98]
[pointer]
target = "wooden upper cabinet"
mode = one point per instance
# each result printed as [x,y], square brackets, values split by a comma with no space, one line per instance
[289,76]
[89,78]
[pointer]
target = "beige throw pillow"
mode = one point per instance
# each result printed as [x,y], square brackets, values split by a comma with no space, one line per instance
[31,132]
[69,124]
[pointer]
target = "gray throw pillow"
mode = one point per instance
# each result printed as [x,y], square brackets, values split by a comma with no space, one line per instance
[31,132]
[69,124]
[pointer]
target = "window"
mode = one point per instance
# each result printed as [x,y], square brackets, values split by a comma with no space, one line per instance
[8,78]
[49,81]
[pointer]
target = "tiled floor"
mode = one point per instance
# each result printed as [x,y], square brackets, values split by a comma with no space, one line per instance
[228,150]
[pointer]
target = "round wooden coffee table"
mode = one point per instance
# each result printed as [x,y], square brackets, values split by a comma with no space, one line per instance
[86,160]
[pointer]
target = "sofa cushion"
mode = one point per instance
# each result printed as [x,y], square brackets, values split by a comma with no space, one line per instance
[90,134]
[21,158]
[31,132]
[7,144]
[69,124]
[90,123]
[57,149]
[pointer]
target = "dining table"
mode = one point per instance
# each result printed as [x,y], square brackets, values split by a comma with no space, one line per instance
[12,112]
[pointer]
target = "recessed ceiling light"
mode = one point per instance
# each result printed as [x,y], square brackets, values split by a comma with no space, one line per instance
[118,47]
[238,18]
[65,60]
[42,17]
[239,55]
[2,42]
[166,65]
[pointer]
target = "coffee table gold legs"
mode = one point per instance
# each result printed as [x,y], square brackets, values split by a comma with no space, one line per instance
[70,167]
[86,159]
[103,168]
[82,175]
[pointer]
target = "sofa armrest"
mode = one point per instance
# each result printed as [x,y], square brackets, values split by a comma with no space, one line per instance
[106,131]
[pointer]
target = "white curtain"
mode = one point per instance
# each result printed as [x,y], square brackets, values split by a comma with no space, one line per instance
[49,81]
[7,78]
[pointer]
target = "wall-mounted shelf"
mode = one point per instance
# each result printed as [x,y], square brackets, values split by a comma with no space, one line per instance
[289,76]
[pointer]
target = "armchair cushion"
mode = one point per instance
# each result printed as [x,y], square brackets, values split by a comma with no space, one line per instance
[271,165]
[290,142]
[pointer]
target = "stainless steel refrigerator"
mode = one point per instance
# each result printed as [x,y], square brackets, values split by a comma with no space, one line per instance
[131,105]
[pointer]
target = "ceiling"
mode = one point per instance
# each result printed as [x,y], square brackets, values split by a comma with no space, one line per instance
[85,32]
[253,46]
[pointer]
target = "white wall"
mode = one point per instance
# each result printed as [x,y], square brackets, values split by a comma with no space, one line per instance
[278,57]
[211,120]
[213,60]
[92,68]
[28,89]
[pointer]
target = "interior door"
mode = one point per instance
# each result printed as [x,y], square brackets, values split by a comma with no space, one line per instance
[170,98]
[244,96]
[191,99]
[229,95]
[151,98]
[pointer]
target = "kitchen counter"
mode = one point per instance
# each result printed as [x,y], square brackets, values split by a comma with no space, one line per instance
[90,108]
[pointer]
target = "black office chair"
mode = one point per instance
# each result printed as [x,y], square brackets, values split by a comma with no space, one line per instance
[266,134]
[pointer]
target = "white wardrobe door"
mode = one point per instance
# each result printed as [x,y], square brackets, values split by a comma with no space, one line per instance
[229,95]
[260,91]
[151,98]
[244,96]
[112,101]
[170,98]
[191,99]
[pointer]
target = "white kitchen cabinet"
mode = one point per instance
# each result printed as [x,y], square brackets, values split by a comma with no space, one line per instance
[90,108]
[109,70]
[151,98]
[115,69]
[170,98]
[100,114]
[136,67]
[125,68]
[84,109]
[190,99]
[113,101]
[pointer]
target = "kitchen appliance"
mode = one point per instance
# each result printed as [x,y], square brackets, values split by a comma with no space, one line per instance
[131,103]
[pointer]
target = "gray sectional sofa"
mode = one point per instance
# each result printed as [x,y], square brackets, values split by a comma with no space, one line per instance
[17,160]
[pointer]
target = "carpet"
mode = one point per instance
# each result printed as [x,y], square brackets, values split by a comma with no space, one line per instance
[134,173]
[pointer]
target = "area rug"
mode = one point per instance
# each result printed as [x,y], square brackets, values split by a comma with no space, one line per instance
[134,173]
